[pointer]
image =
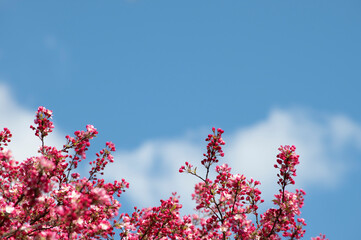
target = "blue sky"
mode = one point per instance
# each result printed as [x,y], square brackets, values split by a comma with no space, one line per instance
[155,76]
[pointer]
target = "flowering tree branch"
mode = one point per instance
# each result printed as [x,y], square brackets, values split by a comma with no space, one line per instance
[44,198]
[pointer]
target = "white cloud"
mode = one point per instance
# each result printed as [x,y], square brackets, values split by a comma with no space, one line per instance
[152,168]
[152,171]
[24,143]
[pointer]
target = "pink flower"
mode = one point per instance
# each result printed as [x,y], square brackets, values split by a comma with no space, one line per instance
[9,209]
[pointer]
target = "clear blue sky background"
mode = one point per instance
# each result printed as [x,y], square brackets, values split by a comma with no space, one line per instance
[145,70]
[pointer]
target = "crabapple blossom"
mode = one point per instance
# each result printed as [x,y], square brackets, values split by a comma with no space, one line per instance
[42,120]
[43,197]
[5,136]
[39,199]
[227,202]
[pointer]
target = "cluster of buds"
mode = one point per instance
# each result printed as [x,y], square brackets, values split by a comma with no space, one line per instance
[5,136]
[214,148]
[187,168]
[42,120]
[287,160]
[103,158]
[81,142]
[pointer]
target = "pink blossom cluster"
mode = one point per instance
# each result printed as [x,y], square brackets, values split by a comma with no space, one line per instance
[287,160]
[161,222]
[103,158]
[42,120]
[44,198]
[5,136]
[227,206]
[81,141]
[214,148]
